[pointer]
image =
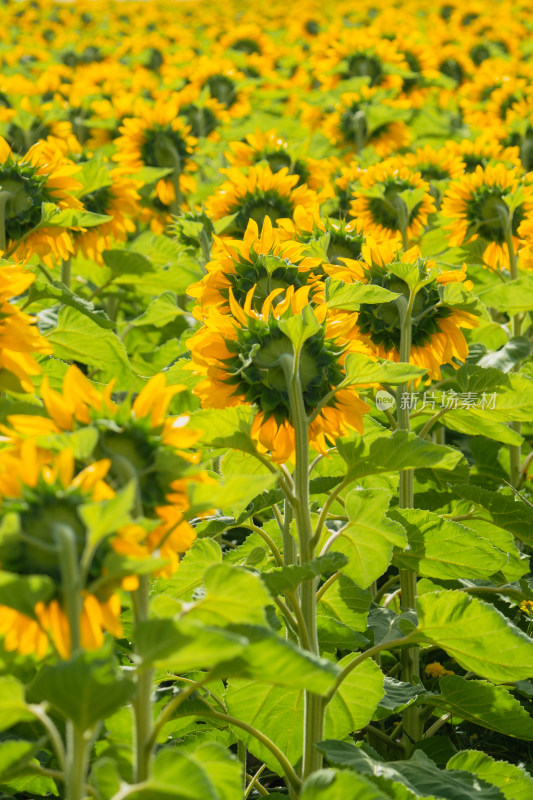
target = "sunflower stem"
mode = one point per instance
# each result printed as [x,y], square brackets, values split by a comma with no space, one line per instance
[70,579]
[515,450]
[314,706]
[4,198]
[142,704]
[78,744]
[65,272]
[410,656]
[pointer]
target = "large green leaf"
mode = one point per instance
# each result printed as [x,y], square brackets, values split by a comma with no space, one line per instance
[513,297]
[369,538]
[78,338]
[398,695]
[479,422]
[13,706]
[203,554]
[282,579]
[14,755]
[468,629]
[419,774]
[361,369]
[107,516]
[393,452]
[229,495]
[504,509]
[334,784]
[439,548]
[226,427]
[41,289]
[54,217]
[85,689]
[210,773]
[278,712]
[514,781]
[23,592]
[484,704]
[346,602]
[349,296]
[232,595]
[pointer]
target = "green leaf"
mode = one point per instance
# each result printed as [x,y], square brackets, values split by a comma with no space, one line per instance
[85,689]
[13,708]
[390,453]
[232,494]
[334,635]
[41,289]
[349,296]
[107,516]
[512,297]
[517,349]
[514,781]
[78,338]
[93,175]
[479,422]
[346,602]
[182,646]
[278,712]
[160,312]
[127,262]
[398,695]
[203,554]
[226,427]
[54,217]
[439,548]
[420,775]
[300,327]
[23,592]
[361,369]
[282,579]
[334,784]
[149,175]
[504,510]
[484,704]
[232,595]
[14,755]
[209,773]
[467,629]
[369,538]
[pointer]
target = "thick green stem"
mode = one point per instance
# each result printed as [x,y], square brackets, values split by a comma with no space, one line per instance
[78,744]
[65,272]
[142,706]
[70,579]
[314,707]
[410,656]
[515,450]
[4,198]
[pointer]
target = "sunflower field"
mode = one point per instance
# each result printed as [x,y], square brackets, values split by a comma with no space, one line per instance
[266,400]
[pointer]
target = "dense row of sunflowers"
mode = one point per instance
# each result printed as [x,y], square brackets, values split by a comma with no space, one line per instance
[232,242]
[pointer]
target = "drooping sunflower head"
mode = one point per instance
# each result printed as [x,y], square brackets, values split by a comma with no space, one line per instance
[257,194]
[391,198]
[492,204]
[159,137]
[263,262]
[245,357]
[483,151]
[367,117]
[436,338]
[26,183]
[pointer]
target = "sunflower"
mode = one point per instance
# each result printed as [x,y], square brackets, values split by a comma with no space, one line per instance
[19,336]
[379,201]
[159,137]
[224,82]
[477,205]
[272,148]
[353,122]
[257,194]
[240,356]
[436,166]
[264,262]
[482,151]
[116,197]
[26,183]
[436,333]
[131,435]
[341,242]
[43,496]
